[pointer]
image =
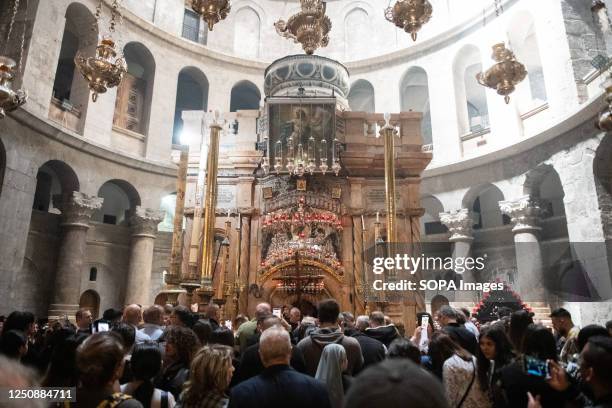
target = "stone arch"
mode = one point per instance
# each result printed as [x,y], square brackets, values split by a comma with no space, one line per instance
[247,32]
[414,96]
[135,93]
[430,221]
[90,300]
[470,96]
[245,96]
[543,183]
[523,40]
[483,203]
[357,32]
[361,97]
[191,94]
[70,89]
[120,201]
[54,177]
[602,172]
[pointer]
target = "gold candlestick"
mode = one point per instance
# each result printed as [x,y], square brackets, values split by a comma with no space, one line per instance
[388,131]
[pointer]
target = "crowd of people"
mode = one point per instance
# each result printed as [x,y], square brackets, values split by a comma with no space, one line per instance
[170,357]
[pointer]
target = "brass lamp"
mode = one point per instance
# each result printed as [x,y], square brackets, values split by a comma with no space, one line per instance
[410,15]
[104,70]
[9,99]
[212,11]
[309,27]
[505,74]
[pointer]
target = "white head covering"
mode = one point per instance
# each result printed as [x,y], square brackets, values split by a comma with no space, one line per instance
[330,370]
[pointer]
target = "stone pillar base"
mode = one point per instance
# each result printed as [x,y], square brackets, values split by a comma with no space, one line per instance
[59,311]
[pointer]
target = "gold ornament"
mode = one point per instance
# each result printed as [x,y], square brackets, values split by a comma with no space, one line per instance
[104,70]
[309,27]
[9,99]
[410,15]
[505,74]
[212,11]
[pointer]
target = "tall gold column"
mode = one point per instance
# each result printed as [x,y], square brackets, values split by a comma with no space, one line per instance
[210,205]
[220,289]
[237,284]
[387,132]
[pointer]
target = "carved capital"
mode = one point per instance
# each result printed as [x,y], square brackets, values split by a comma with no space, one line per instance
[459,223]
[144,222]
[77,208]
[524,213]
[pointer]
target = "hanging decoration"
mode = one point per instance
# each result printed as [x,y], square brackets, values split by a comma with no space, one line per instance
[11,99]
[106,69]
[212,11]
[410,15]
[599,9]
[309,27]
[604,121]
[505,74]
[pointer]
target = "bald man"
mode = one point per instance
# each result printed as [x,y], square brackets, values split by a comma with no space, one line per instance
[246,332]
[132,315]
[278,385]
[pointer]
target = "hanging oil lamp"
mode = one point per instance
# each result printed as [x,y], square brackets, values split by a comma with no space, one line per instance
[212,11]
[410,15]
[309,27]
[11,99]
[505,74]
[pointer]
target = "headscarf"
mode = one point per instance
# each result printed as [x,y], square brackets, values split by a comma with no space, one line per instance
[330,370]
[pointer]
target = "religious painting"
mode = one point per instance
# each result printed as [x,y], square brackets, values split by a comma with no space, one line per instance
[301,184]
[301,131]
[336,192]
[267,192]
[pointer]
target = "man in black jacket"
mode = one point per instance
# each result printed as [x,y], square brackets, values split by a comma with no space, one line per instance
[379,331]
[373,351]
[447,318]
[279,385]
[251,364]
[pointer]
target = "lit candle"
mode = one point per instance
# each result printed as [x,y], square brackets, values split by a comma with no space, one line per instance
[377,217]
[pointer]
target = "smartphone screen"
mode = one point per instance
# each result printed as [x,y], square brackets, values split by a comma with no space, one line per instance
[536,367]
[277,312]
[102,327]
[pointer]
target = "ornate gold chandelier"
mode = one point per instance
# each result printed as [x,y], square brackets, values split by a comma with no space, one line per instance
[309,27]
[212,11]
[105,69]
[11,99]
[505,74]
[410,15]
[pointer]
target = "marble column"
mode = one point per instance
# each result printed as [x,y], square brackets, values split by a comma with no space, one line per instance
[245,262]
[525,216]
[77,210]
[144,229]
[459,224]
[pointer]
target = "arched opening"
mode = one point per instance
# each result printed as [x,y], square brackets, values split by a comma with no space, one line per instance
[168,206]
[524,42]
[357,34]
[471,98]
[602,171]
[483,202]
[247,26]
[361,97]
[245,96]
[90,300]
[134,94]
[53,178]
[120,202]
[414,97]
[430,221]
[191,94]
[70,90]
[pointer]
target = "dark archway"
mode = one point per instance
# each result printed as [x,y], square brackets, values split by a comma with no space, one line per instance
[90,300]
[120,202]
[245,96]
[53,178]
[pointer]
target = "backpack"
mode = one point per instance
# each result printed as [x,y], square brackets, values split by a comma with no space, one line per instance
[114,400]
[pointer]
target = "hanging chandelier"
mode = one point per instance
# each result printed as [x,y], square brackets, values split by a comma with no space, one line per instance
[297,160]
[309,27]
[212,11]
[505,74]
[410,15]
[11,99]
[105,69]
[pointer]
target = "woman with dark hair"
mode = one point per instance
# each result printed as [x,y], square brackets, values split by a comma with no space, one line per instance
[528,372]
[100,364]
[62,371]
[211,373]
[181,345]
[22,321]
[146,364]
[203,330]
[458,370]
[495,353]
[404,348]
[182,316]
[14,344]
[519,321]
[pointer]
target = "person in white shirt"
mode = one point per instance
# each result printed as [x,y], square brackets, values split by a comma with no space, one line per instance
[153,319]
[132,315]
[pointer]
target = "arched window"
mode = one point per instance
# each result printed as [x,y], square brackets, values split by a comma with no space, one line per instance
[168,206]
[120,201]
[357,34]
[70,90]
[483,202]
[471,98]
[361,97]
[134,95]
[414,96]
[524,42]
[245,96]
[191,94]
[53,178]
[430,221]
[247,25]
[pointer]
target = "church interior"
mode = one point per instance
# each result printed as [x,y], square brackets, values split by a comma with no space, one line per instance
[188,152]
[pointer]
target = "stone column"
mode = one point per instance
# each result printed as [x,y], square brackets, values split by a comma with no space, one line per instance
[245,262]
[144,229]
[525,215]
[459,224]
[77,210]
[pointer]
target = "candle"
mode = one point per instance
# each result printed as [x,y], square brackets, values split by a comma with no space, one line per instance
[229,212]
[362,223]
[377,217]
